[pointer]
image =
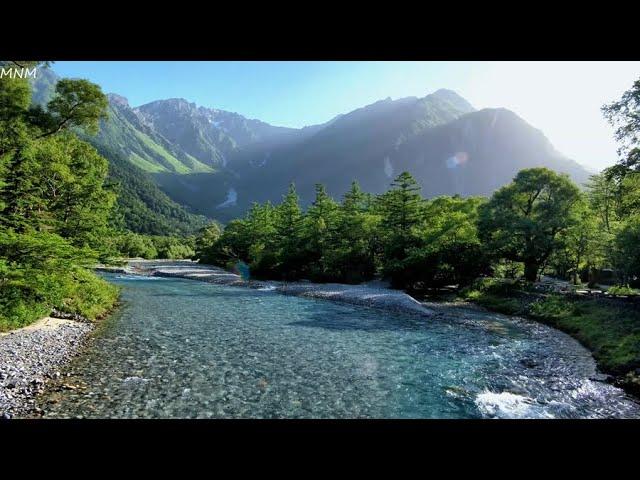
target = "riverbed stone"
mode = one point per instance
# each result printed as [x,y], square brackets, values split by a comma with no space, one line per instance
[30,355]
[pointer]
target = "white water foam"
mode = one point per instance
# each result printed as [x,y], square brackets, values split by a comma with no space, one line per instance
[267,288]
[508,405]
[133,276]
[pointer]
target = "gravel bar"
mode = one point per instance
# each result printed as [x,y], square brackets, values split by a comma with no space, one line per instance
[31,356]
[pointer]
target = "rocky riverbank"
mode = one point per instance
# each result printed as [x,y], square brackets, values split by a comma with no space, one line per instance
[363,295]
[33,355]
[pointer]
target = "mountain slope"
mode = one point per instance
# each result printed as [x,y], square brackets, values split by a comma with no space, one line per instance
[478,153]
[142,207]
[141,145]
[353,145]
[210,135]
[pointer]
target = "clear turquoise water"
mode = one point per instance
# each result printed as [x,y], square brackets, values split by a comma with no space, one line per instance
[186,349]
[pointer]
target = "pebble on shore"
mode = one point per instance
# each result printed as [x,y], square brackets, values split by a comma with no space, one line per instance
[31,356]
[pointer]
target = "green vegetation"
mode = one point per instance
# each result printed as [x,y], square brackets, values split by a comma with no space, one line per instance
[54,204]
[623,290]
[522,220]
[496,294]
[63,207]
[417,243]
[134,245]
[141,206]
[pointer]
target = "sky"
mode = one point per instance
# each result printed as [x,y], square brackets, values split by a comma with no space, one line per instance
[562,99]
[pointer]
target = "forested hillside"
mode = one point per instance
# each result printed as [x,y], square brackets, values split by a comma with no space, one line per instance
[133,150]
[141,206]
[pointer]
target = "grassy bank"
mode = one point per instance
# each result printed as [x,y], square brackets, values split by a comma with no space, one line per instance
[609,328]
[30,295]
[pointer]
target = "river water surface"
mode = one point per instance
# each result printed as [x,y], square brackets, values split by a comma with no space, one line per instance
[187,349]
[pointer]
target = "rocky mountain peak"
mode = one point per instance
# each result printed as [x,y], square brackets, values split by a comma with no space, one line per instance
[118,99]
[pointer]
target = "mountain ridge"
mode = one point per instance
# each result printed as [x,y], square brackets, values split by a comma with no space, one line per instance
[218,162]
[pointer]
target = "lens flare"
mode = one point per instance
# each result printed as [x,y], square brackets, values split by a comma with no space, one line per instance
[460,158]
[243,270]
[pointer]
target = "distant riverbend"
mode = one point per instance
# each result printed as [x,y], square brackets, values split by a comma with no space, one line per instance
[184,349]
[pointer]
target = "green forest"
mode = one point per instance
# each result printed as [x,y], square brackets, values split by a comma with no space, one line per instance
[64,207]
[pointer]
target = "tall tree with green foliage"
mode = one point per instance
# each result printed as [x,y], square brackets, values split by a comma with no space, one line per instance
[354,254]
[289,224]
[624,116]
[263,248]
[522,220]
[449,252]
[26,132]
[54,206]
[581,246]
[603,195]
[319,234]
[401,208]
[626,252]
[206,239]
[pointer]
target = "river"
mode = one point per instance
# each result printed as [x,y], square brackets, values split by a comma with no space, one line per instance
[185,349]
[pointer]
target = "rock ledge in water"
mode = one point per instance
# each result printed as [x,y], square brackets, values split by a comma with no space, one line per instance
[363,295]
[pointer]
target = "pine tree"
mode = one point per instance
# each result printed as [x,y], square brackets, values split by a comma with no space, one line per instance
[320,232]
[289,234]
[402,208]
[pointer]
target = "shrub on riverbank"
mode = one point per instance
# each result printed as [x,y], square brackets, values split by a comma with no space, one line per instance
[42,271]
[623,290]
[611,332]
[28,296]
[149,247]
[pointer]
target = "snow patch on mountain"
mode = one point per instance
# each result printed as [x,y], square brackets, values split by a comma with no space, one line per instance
[231,200]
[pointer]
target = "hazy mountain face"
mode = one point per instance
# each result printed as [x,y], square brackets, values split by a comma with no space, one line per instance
[440,139]
[218,162]
[357,145]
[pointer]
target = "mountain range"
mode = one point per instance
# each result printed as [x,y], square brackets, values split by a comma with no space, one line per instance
[215,163]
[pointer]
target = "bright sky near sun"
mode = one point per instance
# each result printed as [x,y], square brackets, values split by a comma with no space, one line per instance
[562,99]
